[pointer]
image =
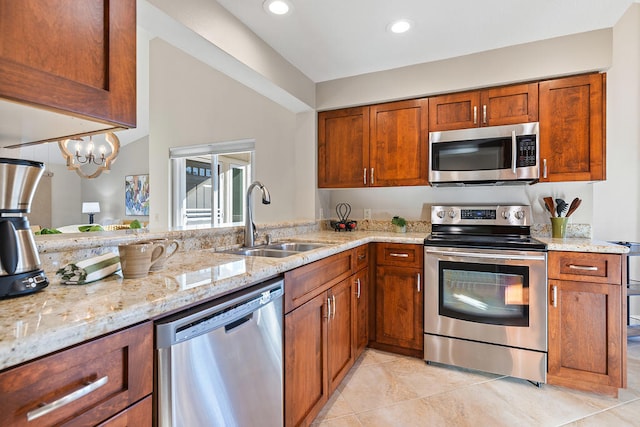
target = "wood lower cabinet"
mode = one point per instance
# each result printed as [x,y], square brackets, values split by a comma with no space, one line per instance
[491,107]
[306,382]
[399,300]
[572,128]
[114,372]
[321,324]
[374,146]
[587,339]
[77,58]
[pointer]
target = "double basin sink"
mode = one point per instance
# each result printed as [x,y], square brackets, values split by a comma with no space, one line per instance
[278,250]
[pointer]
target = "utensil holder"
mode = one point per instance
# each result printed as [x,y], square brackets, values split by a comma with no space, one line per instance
[559,227]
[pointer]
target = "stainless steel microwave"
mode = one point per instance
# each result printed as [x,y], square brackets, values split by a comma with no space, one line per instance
[491,155]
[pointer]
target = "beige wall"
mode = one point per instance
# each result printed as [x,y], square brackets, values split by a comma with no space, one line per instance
[554,57]
[191,103]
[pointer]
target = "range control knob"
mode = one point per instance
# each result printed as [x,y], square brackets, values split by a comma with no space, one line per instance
[452,213]
[519,214]
[505,214]
[440,214]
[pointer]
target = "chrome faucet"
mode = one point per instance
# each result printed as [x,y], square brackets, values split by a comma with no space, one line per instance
[250,232]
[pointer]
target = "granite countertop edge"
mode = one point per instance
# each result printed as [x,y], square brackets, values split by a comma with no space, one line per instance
[62,315]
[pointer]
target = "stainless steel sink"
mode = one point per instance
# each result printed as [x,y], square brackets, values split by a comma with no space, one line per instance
[270,253]
[295,246]
[278,250]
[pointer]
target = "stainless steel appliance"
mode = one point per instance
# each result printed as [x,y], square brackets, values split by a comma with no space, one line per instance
[220,363]
[485,156]
[486,291]
[20,271]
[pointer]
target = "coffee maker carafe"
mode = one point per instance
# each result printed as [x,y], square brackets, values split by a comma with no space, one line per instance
[20,268]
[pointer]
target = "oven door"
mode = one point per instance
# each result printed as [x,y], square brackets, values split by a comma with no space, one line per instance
[491,296]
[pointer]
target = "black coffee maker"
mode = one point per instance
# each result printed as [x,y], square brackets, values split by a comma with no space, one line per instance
[20,268]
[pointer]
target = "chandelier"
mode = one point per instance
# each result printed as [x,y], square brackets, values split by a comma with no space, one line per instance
[82,158]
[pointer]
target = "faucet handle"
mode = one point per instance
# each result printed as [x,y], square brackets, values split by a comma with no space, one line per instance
[267,239]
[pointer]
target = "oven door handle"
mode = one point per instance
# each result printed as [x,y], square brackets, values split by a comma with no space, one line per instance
[488,256]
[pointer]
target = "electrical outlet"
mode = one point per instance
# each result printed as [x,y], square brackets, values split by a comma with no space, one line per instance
[367,214]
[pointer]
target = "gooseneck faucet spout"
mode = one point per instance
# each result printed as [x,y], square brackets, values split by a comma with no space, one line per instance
[250,232]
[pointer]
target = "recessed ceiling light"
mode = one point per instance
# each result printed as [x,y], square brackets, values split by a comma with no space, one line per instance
[400,26]
[277,7]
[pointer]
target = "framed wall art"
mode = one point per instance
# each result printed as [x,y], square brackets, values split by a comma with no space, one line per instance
[136,195]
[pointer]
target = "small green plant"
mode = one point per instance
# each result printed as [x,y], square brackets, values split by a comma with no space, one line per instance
[398,221]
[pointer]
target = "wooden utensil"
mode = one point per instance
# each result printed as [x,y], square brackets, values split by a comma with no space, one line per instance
[548,202]
[575,203]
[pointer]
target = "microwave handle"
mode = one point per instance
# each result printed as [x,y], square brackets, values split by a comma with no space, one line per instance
[514,151]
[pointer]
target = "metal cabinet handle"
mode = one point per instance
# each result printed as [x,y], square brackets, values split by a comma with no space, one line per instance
[334,306]
[554,296]
[399,255]
[365,176]
[418,282]
[328,308]
[372,176]
[484,114]
[46,408]
[358,292]
[363,256]
[583,267]
[475,114]
[544,168]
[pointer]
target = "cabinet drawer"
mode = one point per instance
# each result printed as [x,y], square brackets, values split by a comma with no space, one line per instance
[585,267]
[362,257]
[115,371]
[399,254]
[304,283]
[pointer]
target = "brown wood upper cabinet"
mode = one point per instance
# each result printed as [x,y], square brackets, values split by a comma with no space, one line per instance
[572,123]
[73,57]
[491,107]
[374,146]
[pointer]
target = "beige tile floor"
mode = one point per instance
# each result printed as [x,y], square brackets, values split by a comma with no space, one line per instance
[383,390]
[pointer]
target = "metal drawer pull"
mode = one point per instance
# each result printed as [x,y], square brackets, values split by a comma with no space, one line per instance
[418,282]
[358,293]
[583,267]
[363,256]
[372,182]
[554,296]
[328,308]
[475,114]
[399,255]
[65,400]
[365,176]
[484,114]
[544,168]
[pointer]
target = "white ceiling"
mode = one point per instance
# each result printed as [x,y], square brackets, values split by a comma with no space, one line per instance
[331,39]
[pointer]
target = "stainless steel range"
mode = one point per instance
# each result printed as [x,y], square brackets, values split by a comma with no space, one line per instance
[486,291]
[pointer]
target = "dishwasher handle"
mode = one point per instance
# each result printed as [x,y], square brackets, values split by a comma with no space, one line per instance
[229,314]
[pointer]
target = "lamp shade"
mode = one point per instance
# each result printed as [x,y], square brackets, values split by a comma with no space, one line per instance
[90,207]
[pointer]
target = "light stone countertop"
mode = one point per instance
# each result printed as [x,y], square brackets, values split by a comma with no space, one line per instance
[64,315]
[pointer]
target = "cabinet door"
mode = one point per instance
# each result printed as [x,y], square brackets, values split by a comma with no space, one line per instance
[585,336]
[454,111]
[340,332]
[361,290]
[77,57]
[399,150]
[343,148]
[138,415]
[572,123]
[399,308]
[305,362]
[509,105]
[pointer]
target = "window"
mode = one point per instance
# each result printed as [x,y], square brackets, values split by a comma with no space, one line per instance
[209,183]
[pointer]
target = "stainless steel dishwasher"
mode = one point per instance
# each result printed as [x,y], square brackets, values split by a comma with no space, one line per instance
[220,363]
